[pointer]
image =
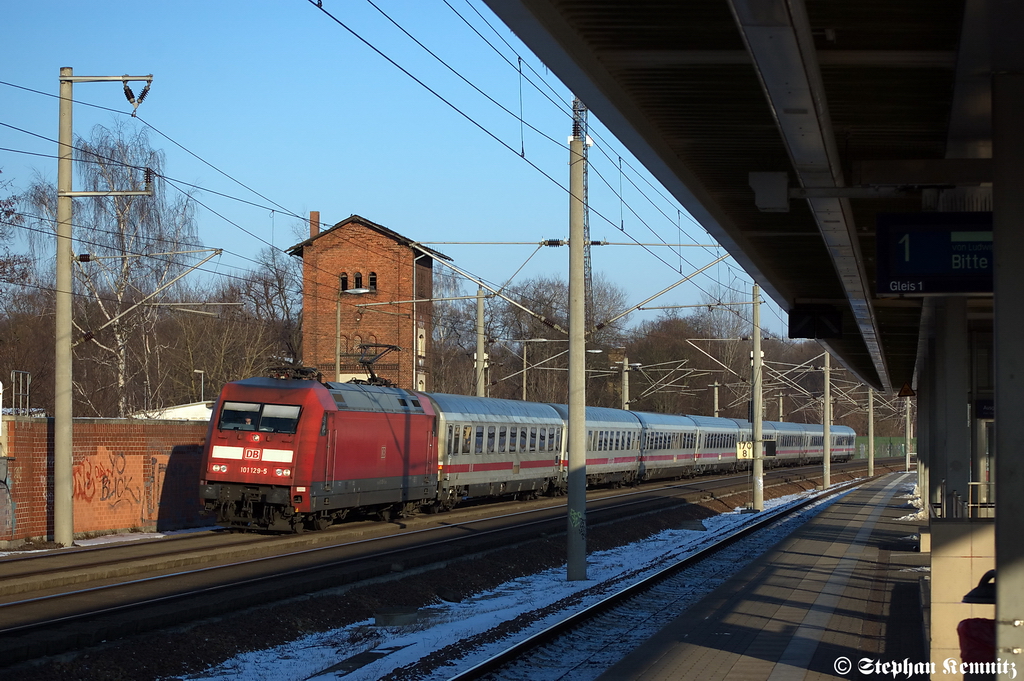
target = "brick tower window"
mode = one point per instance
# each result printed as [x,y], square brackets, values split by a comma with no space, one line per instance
[344,281]
[359,279]
[372,281]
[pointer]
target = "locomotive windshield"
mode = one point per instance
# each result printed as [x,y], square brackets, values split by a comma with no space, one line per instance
[266,418]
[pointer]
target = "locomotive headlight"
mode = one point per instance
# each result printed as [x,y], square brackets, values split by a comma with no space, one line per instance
[220,468]
[287,472]
[278,472]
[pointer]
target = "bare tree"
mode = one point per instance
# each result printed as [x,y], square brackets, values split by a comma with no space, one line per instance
[454,335]
[548,298]
[13,267]
[272,292]
[134,243]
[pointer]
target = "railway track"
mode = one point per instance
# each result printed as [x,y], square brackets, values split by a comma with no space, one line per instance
[60,601]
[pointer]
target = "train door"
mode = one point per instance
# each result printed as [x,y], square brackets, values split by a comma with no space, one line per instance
[331,453]
[433,458]
[698,444]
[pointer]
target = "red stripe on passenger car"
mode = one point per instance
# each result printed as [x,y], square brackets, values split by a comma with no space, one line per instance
[499,466]
[540,463]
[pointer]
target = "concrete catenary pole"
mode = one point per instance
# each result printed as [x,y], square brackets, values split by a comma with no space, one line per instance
[576,569]
[481,386]
[63,424]
[871,432]
[907,433]
[826,422]
[63,488]
[755,403]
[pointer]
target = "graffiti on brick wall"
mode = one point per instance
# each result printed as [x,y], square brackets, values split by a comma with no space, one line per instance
[108,477]
[6,512]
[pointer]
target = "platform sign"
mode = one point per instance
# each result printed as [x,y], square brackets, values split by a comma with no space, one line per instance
[744,450]
[933,253]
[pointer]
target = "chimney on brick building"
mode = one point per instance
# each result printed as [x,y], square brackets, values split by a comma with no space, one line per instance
[314,223]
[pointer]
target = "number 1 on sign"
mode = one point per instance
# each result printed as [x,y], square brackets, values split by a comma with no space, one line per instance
[906,247]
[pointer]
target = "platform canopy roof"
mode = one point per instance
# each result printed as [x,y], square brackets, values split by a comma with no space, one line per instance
[865,107]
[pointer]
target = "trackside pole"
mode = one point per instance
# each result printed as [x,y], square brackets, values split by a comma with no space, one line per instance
[755,398]
[576,569]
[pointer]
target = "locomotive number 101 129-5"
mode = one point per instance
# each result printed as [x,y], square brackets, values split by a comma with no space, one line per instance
[256,470]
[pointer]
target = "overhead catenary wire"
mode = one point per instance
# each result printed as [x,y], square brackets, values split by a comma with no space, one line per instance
[264,241]
[300,217]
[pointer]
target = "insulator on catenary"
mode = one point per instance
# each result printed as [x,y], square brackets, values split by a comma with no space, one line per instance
[129,95]
[145,91]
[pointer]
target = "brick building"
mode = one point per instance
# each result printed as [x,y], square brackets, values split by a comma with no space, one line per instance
[349,268]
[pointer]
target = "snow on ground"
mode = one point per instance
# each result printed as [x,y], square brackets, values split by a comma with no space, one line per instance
[914,501]
[365,652]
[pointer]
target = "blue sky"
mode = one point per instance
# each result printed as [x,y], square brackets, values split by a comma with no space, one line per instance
[280,97]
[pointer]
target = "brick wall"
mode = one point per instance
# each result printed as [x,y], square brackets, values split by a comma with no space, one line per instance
[356,246]
[128,474]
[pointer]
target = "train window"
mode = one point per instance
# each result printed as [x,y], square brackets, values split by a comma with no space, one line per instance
[502,435]
[323,425]
[522,440]
[618,440]
[542,440]
[279,418]
[558,439]
[452,435]
[479,445]
[513,435]
[533,439]
[490,439]
[467,439]
[551,439]
[239,416]
[268,418]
